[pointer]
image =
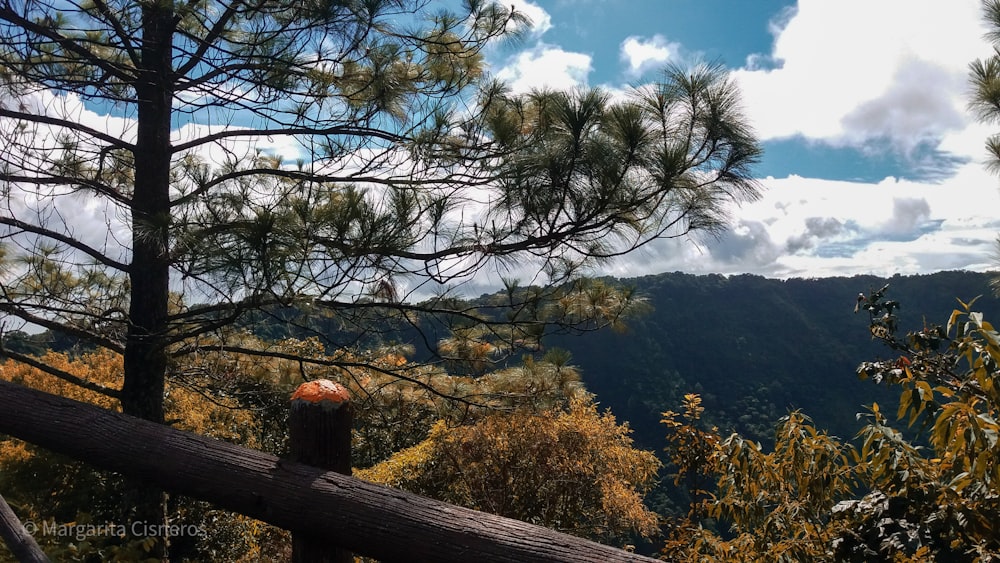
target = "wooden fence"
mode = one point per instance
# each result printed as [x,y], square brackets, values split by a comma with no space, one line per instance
[363,518]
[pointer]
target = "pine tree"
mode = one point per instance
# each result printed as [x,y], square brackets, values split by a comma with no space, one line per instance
[415,171]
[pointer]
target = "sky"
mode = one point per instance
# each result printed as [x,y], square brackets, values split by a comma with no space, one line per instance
[872,162]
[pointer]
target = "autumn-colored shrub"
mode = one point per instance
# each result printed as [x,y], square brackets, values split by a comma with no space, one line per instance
[525,441]
[574,470]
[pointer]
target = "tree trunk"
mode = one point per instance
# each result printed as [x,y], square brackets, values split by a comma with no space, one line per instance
[367,519]
[145,357]
[145,360]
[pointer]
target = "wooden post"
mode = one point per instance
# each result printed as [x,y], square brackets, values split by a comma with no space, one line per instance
[18,539]
[319,432]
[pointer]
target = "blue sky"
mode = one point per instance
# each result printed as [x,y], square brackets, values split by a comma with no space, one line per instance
[872,163]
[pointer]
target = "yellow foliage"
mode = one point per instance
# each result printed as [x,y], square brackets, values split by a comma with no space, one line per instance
[46,487]
[192,411]
[574,470]
[776,504]
[13,452]
[102,367]
[525,442]
[398,470]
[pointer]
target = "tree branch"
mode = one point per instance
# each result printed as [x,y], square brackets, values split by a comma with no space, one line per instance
[289,131]
[56,326]
[63,375]
[18,539]
[116,24]
[67,240]
[70,44]
[67,124]
[324,362]
[98,187]
[206,42]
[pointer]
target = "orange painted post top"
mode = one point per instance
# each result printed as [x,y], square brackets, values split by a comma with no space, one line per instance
[323,392]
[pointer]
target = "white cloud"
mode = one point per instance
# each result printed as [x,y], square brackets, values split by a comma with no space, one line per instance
[33,149]
[817,230]
[746,242]
[541,21]
[546,66]
[854,71]
[806,227]
[909,111]
[641,55]
[908,215]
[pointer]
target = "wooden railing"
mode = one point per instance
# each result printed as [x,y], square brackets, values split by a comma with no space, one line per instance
[357,516]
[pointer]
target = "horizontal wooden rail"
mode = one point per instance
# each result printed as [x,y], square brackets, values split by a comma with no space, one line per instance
[367,519]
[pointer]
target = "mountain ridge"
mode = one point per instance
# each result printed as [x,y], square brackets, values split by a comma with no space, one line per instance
[755,347]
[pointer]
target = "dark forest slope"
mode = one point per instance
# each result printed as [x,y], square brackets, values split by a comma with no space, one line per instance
[756,347]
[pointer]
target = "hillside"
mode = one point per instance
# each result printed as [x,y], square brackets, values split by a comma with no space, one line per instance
[755,348]
[752,347]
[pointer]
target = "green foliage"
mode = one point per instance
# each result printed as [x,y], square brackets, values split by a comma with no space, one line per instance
[774,343]
[776,504]
[948,376]
[691,448]
[984,79]
[816,498]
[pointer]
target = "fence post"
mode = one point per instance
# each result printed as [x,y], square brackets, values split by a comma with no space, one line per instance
[319,432]
[19,540]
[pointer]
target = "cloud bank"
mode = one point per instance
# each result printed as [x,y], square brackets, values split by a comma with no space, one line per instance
[882,77]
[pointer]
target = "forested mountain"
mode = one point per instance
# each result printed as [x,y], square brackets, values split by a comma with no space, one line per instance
[755,347]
